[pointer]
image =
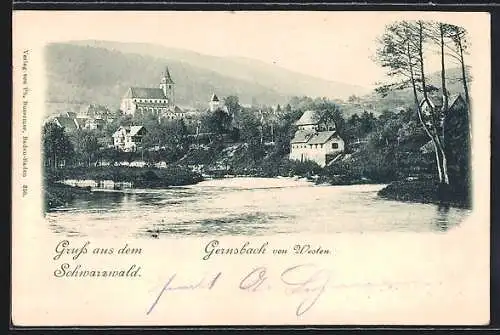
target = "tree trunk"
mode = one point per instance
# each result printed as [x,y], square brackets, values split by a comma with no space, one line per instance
[466,87]
[464,73]
[421,61]
[444,111]
[437,153]
[419,111]
[444,164]
[444,108]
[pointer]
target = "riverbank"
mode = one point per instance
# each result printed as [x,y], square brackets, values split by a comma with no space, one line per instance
[57,194]
[426,191]
[140,177]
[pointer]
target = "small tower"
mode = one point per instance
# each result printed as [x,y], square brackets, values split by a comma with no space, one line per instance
[167,85]
[214,103]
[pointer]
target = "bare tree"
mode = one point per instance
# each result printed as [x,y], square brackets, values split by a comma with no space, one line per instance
[402,52]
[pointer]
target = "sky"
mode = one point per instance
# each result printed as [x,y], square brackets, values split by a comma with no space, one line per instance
[336,46]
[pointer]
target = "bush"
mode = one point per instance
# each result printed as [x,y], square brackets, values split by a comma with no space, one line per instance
[427,191]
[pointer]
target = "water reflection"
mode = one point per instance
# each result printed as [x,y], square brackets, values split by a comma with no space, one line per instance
[442,218]
[233,207]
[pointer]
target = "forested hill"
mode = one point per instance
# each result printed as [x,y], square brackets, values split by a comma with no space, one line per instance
[400,98]
[100,72]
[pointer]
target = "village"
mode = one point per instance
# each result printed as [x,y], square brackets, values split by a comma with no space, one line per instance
[315,138]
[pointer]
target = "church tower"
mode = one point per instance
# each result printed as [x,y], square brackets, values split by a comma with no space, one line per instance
[168,87]
[214,103]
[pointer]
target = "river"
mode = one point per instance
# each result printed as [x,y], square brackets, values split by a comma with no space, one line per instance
[246,206]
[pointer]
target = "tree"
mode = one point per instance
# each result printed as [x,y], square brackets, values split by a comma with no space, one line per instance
[445,33]
[249,126]
[353,99]
[232,103]
[86,146]
[402,52]
[218,122]
[57,147]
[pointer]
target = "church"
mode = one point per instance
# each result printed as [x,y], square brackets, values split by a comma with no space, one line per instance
[159,100]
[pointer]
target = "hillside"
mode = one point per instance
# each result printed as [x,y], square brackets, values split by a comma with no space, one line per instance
[100,72]
[252,70]
[401,98]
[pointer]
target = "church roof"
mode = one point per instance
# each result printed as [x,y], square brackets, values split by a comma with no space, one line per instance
[145,93]
[214,98]
[168,78]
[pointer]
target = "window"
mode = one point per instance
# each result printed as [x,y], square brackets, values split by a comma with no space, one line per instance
[316,146]
[335,145]
[322,146]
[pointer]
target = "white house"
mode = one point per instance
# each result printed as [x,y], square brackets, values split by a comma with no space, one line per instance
[128,138]
[315,140]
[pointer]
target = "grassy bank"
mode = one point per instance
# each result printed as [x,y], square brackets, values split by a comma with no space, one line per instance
[426,191]
[140,177]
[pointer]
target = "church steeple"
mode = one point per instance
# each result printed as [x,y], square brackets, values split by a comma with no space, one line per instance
[167,77]
[167,85]
[214,103]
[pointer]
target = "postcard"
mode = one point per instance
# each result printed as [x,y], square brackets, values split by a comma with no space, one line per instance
[250,168]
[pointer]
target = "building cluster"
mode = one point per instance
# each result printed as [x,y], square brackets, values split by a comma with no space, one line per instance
[160,101]
[316,139]
[72,121]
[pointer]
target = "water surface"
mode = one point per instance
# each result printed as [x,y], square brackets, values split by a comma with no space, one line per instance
[246,206]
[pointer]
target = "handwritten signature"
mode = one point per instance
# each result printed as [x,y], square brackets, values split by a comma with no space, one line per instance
[307,280]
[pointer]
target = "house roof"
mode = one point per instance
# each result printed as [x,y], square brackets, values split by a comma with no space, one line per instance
[66,122]
[135,129]
[302,136]
[309,117]
[437,102]
[71,115]
[427,147]
[129,130]
[81,121]
[175,109]
[321,137]
[145,93]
